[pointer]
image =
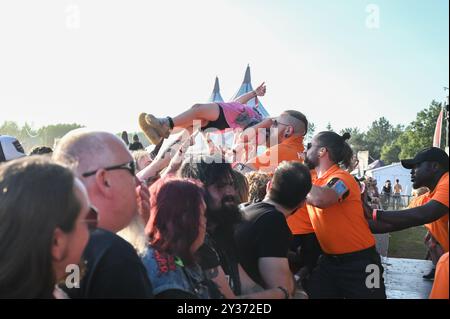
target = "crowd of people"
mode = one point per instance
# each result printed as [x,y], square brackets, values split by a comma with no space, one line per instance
[290,222]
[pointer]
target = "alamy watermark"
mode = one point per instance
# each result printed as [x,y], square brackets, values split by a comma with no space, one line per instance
[374,277]
[244,149]
[73,17]
[373,17]
[73,277]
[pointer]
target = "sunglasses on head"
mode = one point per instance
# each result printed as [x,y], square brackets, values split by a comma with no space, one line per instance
[130,167]
[92,219]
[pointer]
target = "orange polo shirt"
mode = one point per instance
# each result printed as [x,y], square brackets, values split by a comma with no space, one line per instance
[341,228]
[440,285]
[290,149]
[299,221]
[419,200]
[439,228]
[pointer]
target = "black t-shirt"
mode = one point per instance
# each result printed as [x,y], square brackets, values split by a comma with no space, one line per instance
[114,270]
[262,233]
[217,252]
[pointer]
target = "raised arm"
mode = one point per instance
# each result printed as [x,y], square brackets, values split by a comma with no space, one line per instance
[161,161]
[260,91]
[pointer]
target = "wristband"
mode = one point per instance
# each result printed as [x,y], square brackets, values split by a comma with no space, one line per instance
[374,215]
[285,292]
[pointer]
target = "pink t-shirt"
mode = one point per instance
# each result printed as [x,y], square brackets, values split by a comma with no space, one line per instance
[239,115]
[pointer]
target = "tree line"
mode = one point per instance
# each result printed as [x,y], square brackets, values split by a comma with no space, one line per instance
[382,139]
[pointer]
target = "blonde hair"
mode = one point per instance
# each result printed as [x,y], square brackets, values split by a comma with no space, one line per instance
[138,155]
[420,191]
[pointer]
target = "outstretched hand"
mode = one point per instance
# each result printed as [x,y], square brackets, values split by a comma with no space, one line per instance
[261,90]
[178,157]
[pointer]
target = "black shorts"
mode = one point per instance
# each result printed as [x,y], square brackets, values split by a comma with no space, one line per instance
[220,123]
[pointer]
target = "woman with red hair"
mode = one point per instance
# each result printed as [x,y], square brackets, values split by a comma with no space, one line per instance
[176,230]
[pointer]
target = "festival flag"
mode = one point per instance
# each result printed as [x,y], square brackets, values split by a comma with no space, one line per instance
[438,130]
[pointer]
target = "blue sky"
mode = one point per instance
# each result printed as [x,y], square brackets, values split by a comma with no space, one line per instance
[122,57]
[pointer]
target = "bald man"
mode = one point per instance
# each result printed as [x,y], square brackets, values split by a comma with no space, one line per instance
[105,166]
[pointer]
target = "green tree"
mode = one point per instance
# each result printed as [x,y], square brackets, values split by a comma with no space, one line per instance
[10,128]
[419,134]
[390,152]
[48,134]
[381,132]
[30,138]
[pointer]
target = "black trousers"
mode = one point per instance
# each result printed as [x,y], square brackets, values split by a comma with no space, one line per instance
[357,275]
[306,249]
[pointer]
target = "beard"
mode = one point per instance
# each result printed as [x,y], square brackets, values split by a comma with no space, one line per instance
[222,222]
[310,163]
[223,218]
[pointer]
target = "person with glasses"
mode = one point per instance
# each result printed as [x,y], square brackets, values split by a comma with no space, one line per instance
[286,137]
[336,212]
[105,166]
[285,141]
[44,219]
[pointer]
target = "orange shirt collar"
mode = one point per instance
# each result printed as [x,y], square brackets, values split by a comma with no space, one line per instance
[330,171]
[431,194]
[296,141]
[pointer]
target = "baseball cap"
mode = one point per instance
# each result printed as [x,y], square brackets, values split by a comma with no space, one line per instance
[430,154]
[10,148]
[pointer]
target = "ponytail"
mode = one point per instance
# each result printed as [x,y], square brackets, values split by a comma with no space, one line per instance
[337,146]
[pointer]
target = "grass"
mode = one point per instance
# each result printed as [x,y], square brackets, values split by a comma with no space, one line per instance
[408,243]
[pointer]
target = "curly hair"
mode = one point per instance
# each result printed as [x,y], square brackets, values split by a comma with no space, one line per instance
[257,183]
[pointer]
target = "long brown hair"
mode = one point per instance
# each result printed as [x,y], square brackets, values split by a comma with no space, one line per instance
[36,197]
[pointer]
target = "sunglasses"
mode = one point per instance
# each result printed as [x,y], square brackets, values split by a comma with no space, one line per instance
[130,167]
[92,219]
[309,145]
[275,123]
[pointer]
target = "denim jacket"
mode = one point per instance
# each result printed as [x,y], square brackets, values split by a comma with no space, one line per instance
[168,272]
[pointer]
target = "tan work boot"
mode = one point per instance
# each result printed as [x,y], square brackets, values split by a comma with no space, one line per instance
[148,130]
[160,125]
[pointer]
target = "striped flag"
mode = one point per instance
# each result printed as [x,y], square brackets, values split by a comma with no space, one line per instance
[438,130]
